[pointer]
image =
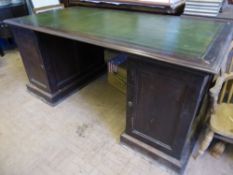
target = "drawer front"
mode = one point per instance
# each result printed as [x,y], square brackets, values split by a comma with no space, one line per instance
[162,104]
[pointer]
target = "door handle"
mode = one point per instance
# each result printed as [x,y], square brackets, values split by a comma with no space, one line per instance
[130,104]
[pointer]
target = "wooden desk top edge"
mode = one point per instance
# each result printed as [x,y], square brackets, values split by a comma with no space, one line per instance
[135,51]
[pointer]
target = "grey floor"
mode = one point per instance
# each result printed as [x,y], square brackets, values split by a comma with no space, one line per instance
[79,136]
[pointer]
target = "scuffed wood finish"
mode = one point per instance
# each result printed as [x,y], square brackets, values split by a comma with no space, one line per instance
[171,62]
[56,66]
[197,44]
[132,6]
[132,2]
[163,102]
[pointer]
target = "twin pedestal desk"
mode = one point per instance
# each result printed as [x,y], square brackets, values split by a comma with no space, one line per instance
[171,65]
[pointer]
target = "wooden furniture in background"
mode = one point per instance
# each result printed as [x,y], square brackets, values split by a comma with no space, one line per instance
[134,5]
[10,11]
[169,72]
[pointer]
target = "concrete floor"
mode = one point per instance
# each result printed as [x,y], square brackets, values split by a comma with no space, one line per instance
[79,136]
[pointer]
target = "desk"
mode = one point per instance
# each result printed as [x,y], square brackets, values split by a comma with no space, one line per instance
[172,61]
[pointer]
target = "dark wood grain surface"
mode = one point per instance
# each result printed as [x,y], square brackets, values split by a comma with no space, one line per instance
[176,9]
[170,65]
[198,44]
[165,101]
[57,66]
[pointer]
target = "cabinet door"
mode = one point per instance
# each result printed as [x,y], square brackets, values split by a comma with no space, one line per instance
[162,103]
[33,62]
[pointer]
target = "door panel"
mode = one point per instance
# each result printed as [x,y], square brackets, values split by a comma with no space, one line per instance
[31,56]
[68,60]
[163,103]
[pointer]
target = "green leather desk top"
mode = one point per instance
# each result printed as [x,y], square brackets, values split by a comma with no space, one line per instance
[198,44]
